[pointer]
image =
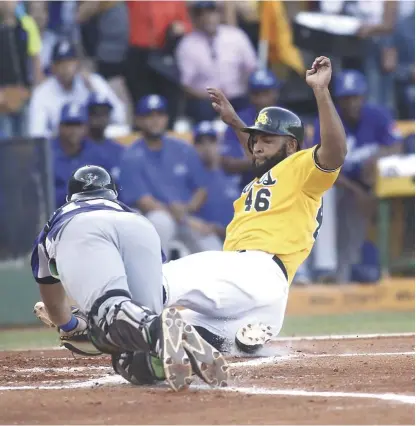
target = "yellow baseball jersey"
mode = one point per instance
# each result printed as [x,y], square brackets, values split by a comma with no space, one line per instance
[281,212]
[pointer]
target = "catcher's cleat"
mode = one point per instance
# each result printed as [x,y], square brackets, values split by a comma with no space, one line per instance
[207,362]
[253,337]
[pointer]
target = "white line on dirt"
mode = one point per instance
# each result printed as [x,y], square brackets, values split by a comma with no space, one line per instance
[117,380]
[342,337]
[275,359]
[406,399]
[248,363]
[62,369]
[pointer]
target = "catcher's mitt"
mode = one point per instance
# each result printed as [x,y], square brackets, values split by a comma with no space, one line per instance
[77,340]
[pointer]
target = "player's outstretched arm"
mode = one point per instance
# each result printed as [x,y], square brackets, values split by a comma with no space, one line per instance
[333,149]
[228,115]
[56,302]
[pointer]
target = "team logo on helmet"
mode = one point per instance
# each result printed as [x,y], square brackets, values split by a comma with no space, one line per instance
[263,119]
[90,178]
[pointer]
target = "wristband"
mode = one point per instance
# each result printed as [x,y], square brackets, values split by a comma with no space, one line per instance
[70,325]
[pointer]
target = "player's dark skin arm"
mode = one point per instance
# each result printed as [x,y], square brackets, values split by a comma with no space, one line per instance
[56,302]
[333,149]
[228,115]
[235,165]
[198,199]
[147,204]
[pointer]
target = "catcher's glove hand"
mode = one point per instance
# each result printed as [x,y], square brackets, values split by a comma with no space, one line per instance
[77,340]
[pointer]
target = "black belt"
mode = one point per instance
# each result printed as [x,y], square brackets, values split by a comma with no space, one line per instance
[277,261]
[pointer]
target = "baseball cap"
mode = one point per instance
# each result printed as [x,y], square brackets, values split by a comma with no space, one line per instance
[263,80]
[350,83]
[151,103]
[204,128]
[203,5]
[63,50]
[73,113]
[95,99]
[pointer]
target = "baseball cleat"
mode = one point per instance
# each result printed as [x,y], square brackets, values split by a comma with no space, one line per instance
[176,363]
[253,337]
[207,362]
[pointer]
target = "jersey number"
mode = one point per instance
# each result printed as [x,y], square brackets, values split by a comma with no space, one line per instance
[261,200]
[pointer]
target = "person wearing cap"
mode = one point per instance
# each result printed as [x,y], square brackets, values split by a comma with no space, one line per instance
[214,55]
[99,110]
[263,92]
[217,212]
[66,84]
[164,178]
[71,149]
[370,135]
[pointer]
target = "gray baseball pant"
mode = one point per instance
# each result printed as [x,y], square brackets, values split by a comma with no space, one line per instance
[107,250]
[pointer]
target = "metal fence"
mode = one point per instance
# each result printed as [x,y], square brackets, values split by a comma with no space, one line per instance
[26,194]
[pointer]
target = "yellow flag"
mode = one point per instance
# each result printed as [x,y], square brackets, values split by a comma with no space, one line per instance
[276,30]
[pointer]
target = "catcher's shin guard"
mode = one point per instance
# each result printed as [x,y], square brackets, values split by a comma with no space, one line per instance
[125,326]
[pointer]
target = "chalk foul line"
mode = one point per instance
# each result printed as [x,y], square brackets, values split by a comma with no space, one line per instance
[117,380]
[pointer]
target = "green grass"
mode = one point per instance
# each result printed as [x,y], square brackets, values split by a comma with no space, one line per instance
[360,323]
[27,338]
[357,323]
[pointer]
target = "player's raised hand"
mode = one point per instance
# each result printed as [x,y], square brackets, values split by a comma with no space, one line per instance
[319,75]
[222,105]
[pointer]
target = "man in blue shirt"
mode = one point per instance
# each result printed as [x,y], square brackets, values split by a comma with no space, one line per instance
[99,114]
[217,212]
[370,135]
[71,150]
[163,177]
[264,92]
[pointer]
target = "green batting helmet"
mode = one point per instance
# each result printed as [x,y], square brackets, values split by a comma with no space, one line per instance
[278,121]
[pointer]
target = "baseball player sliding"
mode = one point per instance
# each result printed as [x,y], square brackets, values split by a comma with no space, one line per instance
[109,260]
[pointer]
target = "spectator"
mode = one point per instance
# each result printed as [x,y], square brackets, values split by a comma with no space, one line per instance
[99,110]
[19,49]
[152,24]
[378,23]
[222,191]
[107,25]
[39,12]
[164,178]
[214,55]
[409,144]
[71,150]
[67,84]
[370,135]
[263,92]
[404,41]
[62,16]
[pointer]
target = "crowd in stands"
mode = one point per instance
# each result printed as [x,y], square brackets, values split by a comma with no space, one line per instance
[87,74]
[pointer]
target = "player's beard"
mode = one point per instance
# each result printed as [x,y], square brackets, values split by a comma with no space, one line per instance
[260,169]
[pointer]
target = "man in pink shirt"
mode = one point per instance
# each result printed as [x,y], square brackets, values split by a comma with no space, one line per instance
[214,55]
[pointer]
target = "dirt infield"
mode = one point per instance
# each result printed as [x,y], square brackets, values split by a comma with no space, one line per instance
[314,381]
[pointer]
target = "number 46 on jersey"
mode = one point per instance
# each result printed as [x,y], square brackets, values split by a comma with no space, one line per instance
[259,199]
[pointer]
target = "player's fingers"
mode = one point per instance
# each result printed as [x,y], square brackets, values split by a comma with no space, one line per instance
[310,72]
[216,106]
[216,92]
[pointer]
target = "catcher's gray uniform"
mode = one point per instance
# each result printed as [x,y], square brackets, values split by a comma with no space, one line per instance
[98,246]
[103,250]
